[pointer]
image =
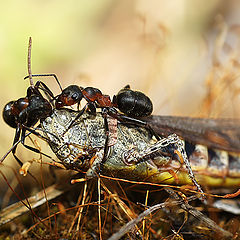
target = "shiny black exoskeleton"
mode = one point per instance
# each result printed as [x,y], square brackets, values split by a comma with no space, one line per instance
[28,110]
[24,113]
[133,103]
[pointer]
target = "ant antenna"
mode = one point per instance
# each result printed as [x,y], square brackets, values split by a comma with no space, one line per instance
[29,61]
[30,75]
[46,75]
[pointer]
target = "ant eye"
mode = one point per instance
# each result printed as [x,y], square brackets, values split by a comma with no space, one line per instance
[75,96]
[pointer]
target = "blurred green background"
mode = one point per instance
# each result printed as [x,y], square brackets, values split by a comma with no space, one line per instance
[175,51]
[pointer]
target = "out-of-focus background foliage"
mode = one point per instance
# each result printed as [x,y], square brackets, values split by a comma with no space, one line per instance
[182,53]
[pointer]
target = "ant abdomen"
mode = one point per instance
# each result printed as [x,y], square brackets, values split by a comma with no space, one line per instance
[8,117]
[12,110]
[133,103]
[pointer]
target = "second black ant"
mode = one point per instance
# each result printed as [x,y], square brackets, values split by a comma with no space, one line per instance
[133,104]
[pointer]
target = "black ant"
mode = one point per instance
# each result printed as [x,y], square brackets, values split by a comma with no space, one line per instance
[25,112]
[131,103]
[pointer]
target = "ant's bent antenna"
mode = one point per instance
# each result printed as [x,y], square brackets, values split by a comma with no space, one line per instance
[46,75]
[30,75]
[29,61]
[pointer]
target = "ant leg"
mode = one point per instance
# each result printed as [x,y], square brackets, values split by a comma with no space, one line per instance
[9,151]
[32,148]
[45,88]
[106,147]
[33,131]
[12,148]
[16,138]
[139,123]
[77,117]
[92,109]
[17,141]
[18,160]
[47,75]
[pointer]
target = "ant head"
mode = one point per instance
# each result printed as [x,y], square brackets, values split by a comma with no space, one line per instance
[69,96]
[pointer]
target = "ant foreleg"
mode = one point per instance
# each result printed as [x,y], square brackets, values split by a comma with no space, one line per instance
[12,148]
[17,140]
[18,160]
[76,118]
[92,109]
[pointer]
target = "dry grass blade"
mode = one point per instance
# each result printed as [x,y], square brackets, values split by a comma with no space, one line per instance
[17,209]
[200,216]
[197,214]
[141,216]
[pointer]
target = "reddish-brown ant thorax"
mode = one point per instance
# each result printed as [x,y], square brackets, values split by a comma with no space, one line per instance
[104,101]
[91,94]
